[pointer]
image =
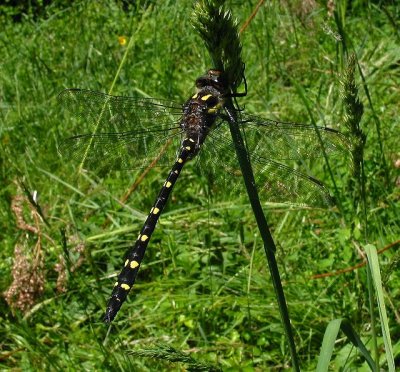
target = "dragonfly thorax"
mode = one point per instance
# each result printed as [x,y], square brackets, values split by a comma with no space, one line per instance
[200,113]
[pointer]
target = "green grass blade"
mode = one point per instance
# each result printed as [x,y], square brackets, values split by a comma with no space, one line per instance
[330,337]
[373,264]
[356,341]
[328,344]
[59,180]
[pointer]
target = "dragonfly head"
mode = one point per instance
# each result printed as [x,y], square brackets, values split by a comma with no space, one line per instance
[213,78]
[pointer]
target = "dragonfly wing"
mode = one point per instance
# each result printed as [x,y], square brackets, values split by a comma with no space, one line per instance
[275,182]
[119,132]
[291,141]
[283,184]
[121,151]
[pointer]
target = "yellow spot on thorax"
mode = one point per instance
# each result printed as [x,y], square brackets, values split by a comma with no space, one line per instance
[125,286]
[206,97]
[191,140]
[195,96]
[188,148]
[126,262]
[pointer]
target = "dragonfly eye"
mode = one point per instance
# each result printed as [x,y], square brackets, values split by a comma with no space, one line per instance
[214,78]
[201,82]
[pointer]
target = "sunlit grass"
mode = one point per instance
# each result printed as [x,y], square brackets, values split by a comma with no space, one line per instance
[194,291]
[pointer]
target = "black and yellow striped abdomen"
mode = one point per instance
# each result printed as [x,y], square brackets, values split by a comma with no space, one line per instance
[127,277]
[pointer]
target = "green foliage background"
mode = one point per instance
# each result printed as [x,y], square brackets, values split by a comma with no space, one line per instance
[204,285]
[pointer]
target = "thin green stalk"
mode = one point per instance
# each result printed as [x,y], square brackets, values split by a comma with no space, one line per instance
[340,16]
[269,244]
[219,31]
[353,111]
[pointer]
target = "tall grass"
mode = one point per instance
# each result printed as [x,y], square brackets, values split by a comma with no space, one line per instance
[195,291]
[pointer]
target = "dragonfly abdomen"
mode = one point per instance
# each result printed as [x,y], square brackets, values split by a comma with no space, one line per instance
[127,277]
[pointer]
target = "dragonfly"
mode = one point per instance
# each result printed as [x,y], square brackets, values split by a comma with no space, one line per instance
[128,132]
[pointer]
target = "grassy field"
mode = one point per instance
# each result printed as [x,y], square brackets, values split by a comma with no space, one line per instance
[204,286]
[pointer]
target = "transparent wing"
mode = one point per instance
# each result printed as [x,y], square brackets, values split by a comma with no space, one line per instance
[112,132]
[290,141]
[275,182]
